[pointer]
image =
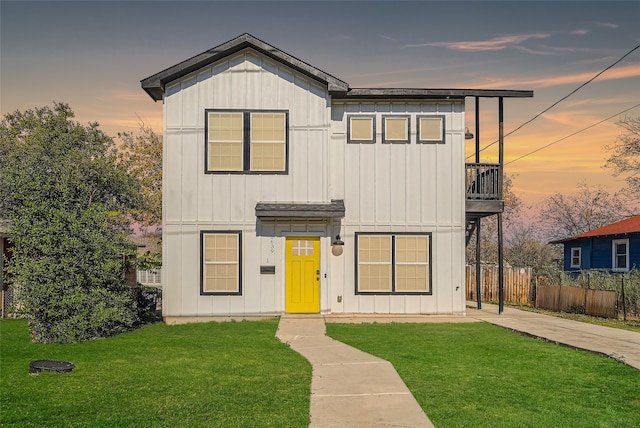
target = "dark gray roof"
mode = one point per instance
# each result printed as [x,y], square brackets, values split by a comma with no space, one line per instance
[412,93]
[335,209]
[154,85]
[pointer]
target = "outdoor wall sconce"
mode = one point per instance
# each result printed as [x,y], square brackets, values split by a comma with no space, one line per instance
[337,246]
[468,135]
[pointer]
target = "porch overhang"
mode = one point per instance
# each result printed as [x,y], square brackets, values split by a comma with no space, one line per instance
[278,210]
[476,209]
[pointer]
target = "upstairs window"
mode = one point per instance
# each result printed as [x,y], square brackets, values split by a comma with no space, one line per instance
[576,254]
[246,142]
[620,249]
[395,129]
[430,129]
[361,129]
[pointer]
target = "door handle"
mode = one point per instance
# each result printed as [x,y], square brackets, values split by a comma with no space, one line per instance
[318,275]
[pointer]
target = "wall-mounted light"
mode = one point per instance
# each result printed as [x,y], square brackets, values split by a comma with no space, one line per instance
[337,246]
[468,135]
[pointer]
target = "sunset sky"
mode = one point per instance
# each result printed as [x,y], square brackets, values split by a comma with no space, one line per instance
[93,54]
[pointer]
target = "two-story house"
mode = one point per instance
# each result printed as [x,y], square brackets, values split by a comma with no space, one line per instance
[287,191]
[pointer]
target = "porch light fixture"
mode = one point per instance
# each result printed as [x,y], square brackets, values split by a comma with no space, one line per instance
[337,246]
[468,135]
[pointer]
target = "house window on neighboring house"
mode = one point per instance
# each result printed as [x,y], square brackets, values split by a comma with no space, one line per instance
[361,129]
[395,129]
[430,129]
[393,263]
[221,265]
[246,142]
[620,248]
[576,254]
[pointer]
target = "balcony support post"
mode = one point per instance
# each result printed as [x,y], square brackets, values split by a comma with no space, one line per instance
[500,185]
[478,222]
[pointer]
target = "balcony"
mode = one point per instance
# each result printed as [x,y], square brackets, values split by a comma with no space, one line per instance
[484,196]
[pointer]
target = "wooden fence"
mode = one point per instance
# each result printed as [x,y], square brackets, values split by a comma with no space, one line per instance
[601,303]
[517,284]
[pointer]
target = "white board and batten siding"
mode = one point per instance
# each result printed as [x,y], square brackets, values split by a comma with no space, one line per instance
[195,201]
[385,187]
[401,188]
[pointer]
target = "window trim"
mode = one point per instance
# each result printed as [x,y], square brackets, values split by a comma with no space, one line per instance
[579,250]
[203,233]
[373,130]
[246,142]
[384,129]
[614,255]
[442,131]
[393,291]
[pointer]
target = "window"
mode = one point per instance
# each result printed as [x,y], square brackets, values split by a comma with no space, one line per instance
[620,255]
[393,263]
[576,254]
[430,129]
[221,262]
[246,141]
[395,129]
[361,129]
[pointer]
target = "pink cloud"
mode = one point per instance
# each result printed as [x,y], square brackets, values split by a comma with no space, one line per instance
[622,72]
[494,44]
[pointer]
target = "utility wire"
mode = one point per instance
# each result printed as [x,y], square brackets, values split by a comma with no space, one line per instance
[561,99]
[571,135]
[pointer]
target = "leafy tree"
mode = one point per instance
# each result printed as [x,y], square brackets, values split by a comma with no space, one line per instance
[525,249]
[566,215]
[625,154]
[64,193]
[142,155]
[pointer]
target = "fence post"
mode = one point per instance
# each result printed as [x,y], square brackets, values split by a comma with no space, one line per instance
[624,303]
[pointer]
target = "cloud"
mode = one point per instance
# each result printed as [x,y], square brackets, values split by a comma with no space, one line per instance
[391,39]
[494,44]
[340,38]
[580,32]
[621,72]
[607,25]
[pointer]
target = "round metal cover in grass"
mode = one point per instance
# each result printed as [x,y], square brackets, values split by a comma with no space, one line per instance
[50,366]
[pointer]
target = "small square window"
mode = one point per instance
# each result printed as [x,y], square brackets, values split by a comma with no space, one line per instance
[430,129]
[361,129]
[395,129]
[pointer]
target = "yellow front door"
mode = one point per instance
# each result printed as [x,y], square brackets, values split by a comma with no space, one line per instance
[303,275]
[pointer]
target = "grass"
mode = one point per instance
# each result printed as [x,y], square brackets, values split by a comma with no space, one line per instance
[479,375]
[198,375]
[631,325]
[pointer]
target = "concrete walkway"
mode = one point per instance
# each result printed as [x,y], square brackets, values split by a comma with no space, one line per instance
[622,345]
[349,388]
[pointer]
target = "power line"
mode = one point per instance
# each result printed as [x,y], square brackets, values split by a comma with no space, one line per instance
[571,135]
[561,99]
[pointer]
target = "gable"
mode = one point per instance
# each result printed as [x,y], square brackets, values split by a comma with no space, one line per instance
[155,85]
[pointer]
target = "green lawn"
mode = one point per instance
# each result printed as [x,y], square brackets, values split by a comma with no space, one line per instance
[479,375]
[198,375]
